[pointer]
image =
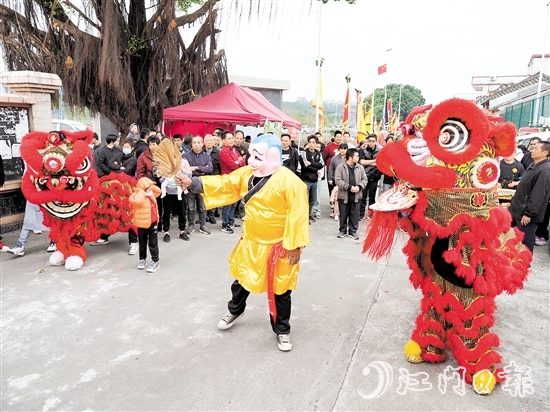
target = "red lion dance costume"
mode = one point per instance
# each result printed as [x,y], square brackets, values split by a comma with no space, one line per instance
[462,250]
[78,207]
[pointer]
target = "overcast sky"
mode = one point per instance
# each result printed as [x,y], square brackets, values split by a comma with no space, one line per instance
[437,45]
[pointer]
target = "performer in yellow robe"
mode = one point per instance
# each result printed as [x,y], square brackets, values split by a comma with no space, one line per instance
[275,229]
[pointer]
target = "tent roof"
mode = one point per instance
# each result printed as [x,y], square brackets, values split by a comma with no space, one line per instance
[230,104]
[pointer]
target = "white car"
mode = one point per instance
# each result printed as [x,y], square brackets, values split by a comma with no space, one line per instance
[70,125]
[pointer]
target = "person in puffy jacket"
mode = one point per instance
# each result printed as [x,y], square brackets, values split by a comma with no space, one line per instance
[146,217]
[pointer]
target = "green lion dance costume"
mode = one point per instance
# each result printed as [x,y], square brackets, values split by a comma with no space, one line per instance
[462,250]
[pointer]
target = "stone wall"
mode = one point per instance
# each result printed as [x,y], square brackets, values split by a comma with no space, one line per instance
[27,108]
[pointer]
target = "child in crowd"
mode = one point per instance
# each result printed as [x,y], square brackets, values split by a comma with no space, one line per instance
[334,201]
[146,218]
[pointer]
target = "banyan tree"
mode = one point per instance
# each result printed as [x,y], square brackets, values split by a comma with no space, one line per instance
[125,59]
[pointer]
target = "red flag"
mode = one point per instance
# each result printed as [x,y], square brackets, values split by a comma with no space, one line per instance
[345,118]
[382,69]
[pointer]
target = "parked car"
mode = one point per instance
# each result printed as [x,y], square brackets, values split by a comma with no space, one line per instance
[70,125]
[526,138]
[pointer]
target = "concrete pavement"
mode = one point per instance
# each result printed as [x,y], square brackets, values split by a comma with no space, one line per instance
[110,337]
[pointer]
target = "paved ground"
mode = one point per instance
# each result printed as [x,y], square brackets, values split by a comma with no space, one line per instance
[110,337]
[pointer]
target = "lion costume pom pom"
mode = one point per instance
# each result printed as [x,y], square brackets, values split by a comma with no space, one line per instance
[462,250]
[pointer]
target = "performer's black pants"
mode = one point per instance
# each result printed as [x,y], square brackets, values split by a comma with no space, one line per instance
[148,236]
[237,304]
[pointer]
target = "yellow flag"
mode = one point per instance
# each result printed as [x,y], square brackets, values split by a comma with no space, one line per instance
[368,127]
[362,131]
[319,94]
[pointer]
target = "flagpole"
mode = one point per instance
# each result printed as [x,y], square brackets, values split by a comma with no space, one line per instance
[384,108]
[319,68]
[539,87]
[399,109]
[372,112]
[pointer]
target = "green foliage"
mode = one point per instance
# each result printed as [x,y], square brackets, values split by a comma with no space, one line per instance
[410,98]
[185,5]
[135,44]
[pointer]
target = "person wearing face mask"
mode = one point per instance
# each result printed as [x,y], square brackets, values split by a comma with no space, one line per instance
[275,230]
[124,161]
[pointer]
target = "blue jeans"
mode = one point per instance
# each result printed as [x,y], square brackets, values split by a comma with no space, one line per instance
[227,214]
[311,193]
[317,203]
[23,237]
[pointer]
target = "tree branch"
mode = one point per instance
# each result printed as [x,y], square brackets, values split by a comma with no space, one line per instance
[70,27]
[204,32]
[15,18]
[190,18]
[82,14]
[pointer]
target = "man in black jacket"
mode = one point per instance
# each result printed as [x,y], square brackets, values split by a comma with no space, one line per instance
[533,191]
[526,160]
[142,145]
[105,155]
[311,162]
[290,154]
[367,159]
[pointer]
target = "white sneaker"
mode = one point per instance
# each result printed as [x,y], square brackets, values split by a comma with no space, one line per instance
[228,320]
[100,242]
[37,232]
[17,250]
[153,267]
[52,247]
[284,343]
[134,247]
[336,218]
[142,264]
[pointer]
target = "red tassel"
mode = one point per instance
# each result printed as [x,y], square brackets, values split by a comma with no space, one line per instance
[380,234]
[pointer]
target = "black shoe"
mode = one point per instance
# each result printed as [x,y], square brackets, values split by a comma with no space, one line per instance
[227,229]
[312,219]
[234,225]
[212,220]
[167,237]
[198,222]
[216,213]
[184,236]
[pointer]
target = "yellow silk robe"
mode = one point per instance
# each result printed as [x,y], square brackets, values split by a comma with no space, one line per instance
[279,212]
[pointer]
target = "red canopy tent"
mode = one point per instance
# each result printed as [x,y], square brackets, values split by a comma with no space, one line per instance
[224,108]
